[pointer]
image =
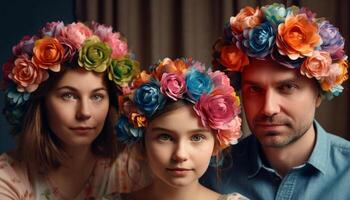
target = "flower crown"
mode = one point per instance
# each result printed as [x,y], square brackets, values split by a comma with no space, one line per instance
[292,36]
[215,101]
[95,48]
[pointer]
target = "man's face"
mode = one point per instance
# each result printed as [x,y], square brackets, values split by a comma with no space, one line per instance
[279,102]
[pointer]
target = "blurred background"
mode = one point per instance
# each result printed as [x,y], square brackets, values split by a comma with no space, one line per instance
[163,28]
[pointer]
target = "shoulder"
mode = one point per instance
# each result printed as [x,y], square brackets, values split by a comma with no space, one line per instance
[14,181]
[338,145]
[232,196]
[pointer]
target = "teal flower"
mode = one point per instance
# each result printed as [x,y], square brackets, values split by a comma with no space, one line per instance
[274,13]
[197,84]
[259,41]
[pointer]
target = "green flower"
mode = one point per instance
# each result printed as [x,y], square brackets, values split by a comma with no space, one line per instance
[122,70]
[94,55]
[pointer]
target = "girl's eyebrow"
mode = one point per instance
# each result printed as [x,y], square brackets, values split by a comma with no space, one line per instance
[169,130]
[76,90]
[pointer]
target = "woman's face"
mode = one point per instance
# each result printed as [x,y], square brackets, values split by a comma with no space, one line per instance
[178,148]
[77,107]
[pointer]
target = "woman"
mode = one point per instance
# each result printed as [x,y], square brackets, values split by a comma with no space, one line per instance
[60,95]
[181,114]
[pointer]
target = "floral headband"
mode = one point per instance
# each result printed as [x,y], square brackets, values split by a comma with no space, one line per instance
[292,36]
[215,101]
[95,48]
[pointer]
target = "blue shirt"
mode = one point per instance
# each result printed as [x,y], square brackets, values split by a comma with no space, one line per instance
[326,174]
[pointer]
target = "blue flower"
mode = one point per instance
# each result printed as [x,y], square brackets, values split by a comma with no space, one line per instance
[259,41]
[13,113]
[14,97]
[197,84]
[149,99]
[274,13]
[335,91]
[126,132]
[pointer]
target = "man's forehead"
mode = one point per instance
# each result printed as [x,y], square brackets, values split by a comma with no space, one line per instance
[267,70]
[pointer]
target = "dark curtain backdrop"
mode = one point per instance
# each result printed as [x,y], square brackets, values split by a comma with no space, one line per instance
[19,18]
[173,28]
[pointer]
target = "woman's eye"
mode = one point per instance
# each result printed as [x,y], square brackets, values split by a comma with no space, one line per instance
[97,97]
[197,138]
[164,137]
[68,96]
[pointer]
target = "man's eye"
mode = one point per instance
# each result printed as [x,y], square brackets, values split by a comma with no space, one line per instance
[254,89]
[197,138]
[287,88]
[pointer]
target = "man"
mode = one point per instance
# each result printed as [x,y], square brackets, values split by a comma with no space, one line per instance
[289,155]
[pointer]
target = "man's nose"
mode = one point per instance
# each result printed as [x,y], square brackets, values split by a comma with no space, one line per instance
[271,105]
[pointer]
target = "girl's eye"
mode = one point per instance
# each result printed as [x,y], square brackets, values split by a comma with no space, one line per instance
[197,138]
[68,96]
[164,137]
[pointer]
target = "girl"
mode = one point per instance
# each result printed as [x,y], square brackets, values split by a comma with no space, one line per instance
[182,113]
[60,91]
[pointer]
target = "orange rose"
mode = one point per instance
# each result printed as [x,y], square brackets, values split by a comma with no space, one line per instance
[26,75]
[169,66]
[48,54]
[138,120]
[141,78]
[247,17]
[233,58]
[317,65]
[338,73]
[297,37]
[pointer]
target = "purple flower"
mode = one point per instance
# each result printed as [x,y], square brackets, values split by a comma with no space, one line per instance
[52,29]
[25,46]
[285,60]
[333,42]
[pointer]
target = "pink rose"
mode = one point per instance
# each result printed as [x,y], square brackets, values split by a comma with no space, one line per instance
[26,75]
[69,49]
[219,78]
[218,109]
[77,33]
[338,73]
[230,136]
[173,85]
[105,33]
[317,65]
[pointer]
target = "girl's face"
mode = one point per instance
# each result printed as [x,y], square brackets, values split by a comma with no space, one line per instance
[178,148]
[77,107]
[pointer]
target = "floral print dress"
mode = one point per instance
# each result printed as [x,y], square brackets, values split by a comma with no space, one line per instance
[105,182]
